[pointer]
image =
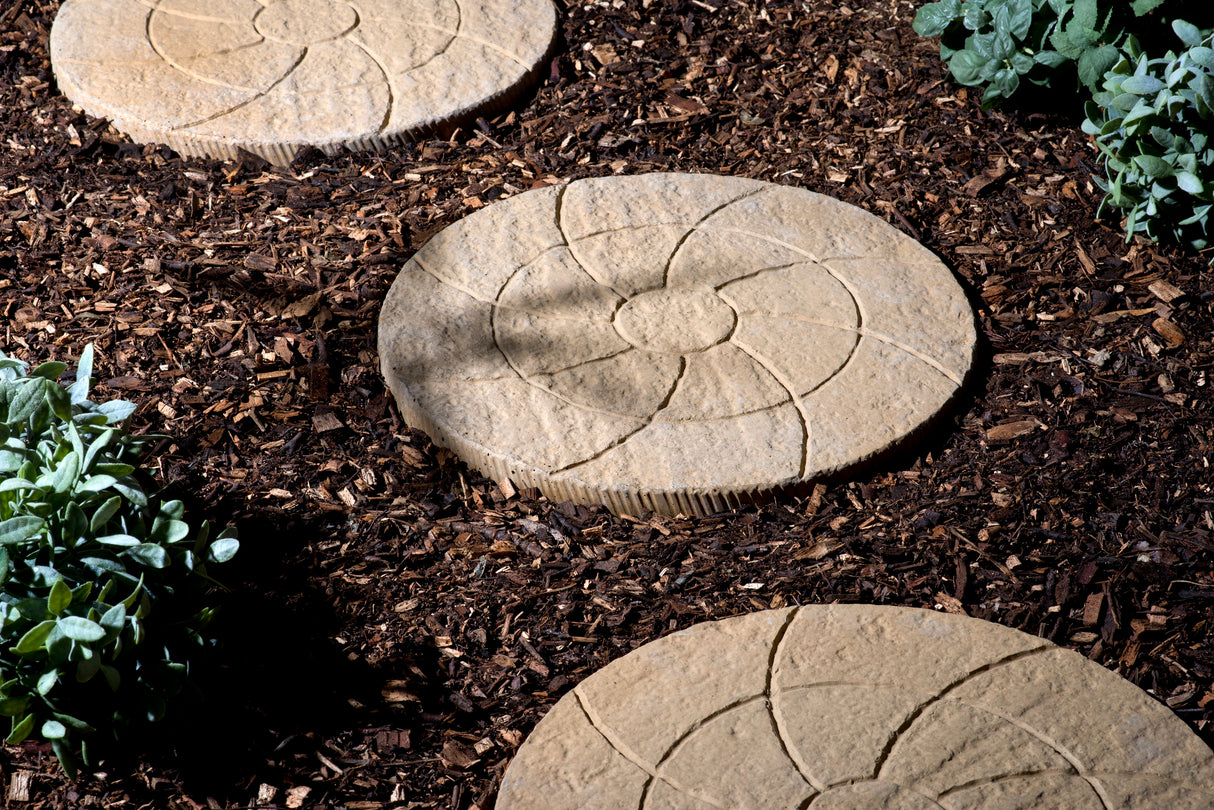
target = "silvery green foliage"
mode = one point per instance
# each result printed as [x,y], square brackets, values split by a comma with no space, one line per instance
[1059,44]
[1153,123]
[992,43]
[99,583]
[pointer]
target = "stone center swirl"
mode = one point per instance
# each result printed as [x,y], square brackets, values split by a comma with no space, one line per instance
[677,320]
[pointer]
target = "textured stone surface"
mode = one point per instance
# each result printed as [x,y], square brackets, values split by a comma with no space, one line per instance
[672,342]
[857,707]
[209,77]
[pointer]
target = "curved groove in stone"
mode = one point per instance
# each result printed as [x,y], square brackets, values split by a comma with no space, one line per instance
[682,740]
[452,36]
[560,226]
[809,256]
[569,401]
[862,332]
[777,716]
[388,82]
[199,77]
[585,363]
[620,441]
[674,254]
[632,756]
[1081,769]
[840,371]
[748,276]
[899,734]
[496,303]
[173,12]
[1008,777]
[934,800]
[926,359]
[260,95]
[806,426]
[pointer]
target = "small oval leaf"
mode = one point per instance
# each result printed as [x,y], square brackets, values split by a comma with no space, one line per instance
[20,529]
[50,370]
[60,597]
[21,730]
[151,555]
[223,549]
[97,483]
[1190,182]
[78,628]
[114,619]
[53,730]
[104,512]
[1142,85]
[116,410]
[34,638]
[1153,166]
[47,681]
[118,540]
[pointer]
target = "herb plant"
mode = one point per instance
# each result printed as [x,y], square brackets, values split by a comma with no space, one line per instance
[1153,124]
[100,583]
[992,43]
[1059,44]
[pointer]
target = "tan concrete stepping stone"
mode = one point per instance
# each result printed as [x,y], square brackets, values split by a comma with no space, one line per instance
[672,342]
[857,707]
[209,77]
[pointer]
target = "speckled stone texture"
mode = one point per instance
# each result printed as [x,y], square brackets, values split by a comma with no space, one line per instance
[857,707]
[211,77]
[672,342]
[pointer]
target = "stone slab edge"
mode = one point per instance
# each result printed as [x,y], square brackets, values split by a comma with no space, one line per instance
[633,500]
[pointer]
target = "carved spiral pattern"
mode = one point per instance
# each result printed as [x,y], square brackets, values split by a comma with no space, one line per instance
[859,707]
[208,76]
[638,339]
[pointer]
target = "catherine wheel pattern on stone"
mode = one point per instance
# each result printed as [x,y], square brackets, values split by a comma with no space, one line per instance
[670,341]
[209,76]
[857,707]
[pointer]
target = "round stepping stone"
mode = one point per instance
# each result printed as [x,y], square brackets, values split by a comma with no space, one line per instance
[672,342]
[857,707]
[211,77]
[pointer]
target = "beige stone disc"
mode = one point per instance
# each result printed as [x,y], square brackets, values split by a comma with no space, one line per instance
[209,77]
[672,342]
[857,707]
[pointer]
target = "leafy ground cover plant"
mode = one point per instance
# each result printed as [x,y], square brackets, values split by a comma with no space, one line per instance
[992,43]
[1058,44]
[1153,123]
[101,585]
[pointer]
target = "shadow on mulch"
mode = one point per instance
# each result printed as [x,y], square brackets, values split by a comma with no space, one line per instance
[279,682]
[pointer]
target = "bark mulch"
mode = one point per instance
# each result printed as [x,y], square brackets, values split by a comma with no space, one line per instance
[396,624]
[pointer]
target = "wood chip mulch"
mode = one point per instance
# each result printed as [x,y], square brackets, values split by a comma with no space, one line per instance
[396,624]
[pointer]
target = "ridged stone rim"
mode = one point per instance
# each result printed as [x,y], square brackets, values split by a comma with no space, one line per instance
[212,77]
[857,707]
[672,342]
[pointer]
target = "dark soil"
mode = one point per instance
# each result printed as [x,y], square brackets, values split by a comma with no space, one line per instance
[396,624]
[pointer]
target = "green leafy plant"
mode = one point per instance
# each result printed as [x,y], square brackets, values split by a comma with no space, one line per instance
[991,43]
[1082,36]
[1059,44]
[1153,123]
[101,585]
